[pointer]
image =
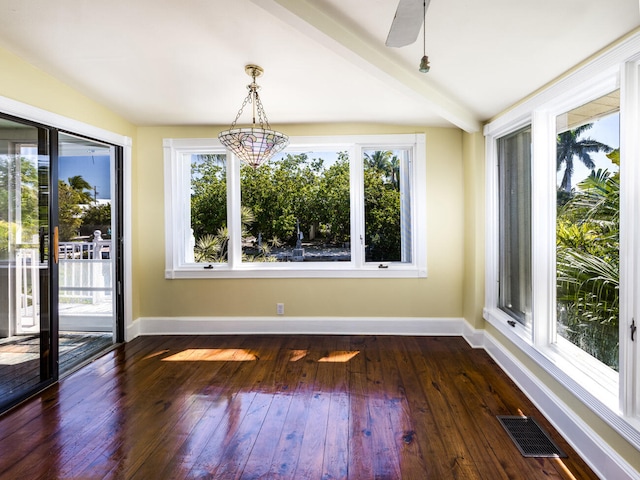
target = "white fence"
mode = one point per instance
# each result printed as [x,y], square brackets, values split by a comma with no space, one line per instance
[85,273]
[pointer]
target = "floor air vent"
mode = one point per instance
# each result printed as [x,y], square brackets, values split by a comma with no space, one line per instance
[529,437]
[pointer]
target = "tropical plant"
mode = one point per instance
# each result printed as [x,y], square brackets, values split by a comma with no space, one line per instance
[570,145]
[380,159]
[587,238]
[69,211]
[84,188]
[211,248]
[386,163]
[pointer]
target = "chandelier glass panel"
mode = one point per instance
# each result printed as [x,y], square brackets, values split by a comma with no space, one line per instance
[256,144]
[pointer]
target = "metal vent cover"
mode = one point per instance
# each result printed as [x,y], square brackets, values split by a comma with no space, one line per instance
[529,437]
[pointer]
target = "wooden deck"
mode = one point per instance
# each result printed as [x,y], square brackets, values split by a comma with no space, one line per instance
[281,407]
[20,358]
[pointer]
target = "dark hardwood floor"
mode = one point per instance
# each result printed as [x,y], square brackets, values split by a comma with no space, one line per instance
[295,407]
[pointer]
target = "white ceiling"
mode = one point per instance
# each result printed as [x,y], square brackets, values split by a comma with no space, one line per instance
[182,62]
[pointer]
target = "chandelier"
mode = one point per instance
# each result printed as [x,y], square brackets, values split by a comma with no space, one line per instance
[256,144]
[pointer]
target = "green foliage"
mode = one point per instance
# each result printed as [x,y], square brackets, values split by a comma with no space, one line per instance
[382,213]
[387,164]
[28,172]
[69,211]
[294,189]
[281,193]
[212,248]
[97,215]
[82,187]
[588,260]
[71,215]
[6,230]
[334,200]
[209,195]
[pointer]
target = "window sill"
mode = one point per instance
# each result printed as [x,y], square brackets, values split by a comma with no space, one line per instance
[325,270]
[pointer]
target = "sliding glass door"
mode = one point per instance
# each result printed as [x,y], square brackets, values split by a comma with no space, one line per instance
[26,346]
[60,254]
[86,306]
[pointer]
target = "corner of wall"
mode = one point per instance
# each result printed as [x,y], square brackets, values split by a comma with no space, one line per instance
[474,211]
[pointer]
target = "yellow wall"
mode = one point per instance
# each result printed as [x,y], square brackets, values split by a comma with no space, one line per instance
[439,295]
[474,211]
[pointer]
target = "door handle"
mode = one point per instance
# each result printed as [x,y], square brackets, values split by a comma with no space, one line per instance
[633,330]
[56,250]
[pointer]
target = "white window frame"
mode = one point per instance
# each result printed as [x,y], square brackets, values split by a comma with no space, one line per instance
[614,398]
[178,218]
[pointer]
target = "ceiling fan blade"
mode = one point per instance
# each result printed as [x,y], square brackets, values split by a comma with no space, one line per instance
[406,22]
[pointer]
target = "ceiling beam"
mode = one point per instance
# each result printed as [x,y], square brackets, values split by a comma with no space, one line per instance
[305,16]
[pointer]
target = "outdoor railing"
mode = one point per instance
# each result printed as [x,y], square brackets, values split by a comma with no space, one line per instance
[85,279]
[85,272]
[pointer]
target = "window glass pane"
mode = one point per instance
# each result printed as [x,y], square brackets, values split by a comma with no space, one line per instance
[514,165]
[209,234]
[588,226]
[24,324]
[296,208]
[387,205]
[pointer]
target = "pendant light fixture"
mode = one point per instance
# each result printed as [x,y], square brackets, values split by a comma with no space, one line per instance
[256,144]
[424,62]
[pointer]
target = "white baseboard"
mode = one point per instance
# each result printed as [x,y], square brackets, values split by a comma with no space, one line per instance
[298,326]
[603,459]
[473,336]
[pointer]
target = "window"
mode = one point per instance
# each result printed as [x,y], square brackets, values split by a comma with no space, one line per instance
[326,206]
[514,172]
[588,228]
[563,277]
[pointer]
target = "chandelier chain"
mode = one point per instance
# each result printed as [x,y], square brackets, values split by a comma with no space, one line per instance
[262,115]
[244,104]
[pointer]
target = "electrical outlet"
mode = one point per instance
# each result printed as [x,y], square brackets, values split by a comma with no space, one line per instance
[280,308]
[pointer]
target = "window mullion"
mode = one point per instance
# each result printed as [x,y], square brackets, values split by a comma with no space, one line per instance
[234,224]
[356,179]
[629,238]
[543,221]
[183,234]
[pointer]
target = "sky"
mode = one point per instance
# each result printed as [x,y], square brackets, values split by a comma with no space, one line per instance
[95,170]
[607,131]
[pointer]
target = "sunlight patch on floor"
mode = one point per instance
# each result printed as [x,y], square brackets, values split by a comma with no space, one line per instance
[339,356]
[211,355]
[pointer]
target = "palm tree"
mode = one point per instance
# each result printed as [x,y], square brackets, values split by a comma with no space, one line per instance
[588,270]
[571,146]
[394,165]
[379,159]
[81,186]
